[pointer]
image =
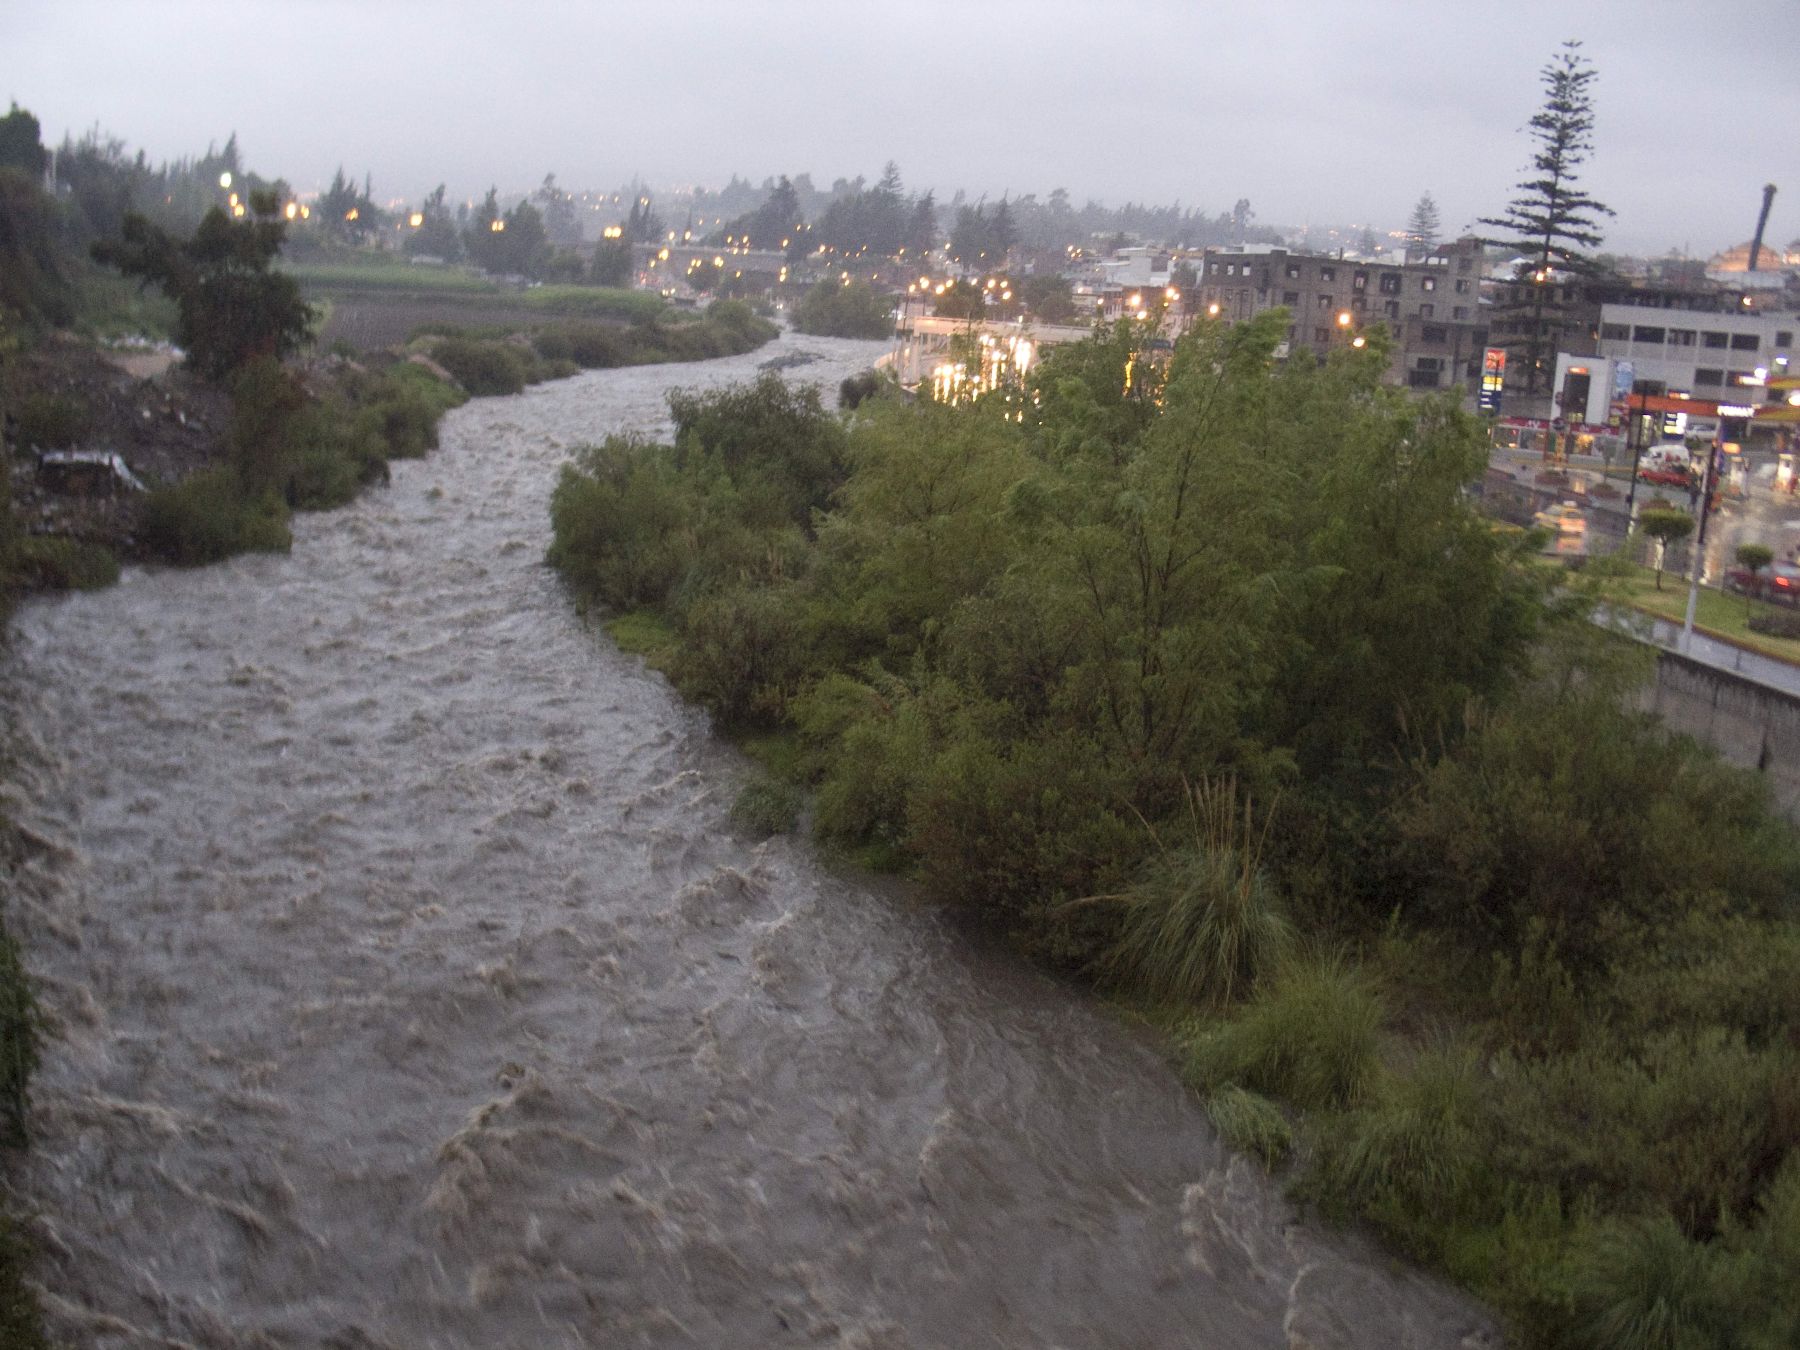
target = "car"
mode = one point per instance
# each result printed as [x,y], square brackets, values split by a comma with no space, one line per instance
[1664,475]
[1565,518]
[1778,583]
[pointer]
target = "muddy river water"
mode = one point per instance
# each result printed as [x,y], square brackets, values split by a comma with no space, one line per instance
[409,989]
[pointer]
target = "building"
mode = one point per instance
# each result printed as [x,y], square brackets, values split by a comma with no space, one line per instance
[1712,353]
[1432,307]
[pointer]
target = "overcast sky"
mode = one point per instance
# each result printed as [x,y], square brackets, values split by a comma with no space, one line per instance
[1316,110]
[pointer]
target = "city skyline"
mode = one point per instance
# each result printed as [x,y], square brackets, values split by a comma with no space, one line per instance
[1316,115]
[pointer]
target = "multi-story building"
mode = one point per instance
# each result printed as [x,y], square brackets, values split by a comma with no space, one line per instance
[1710,353]
[1431,306]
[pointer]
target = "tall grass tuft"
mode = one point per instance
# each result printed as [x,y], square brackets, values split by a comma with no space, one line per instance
[1417,1154]
[1309,1036]
[1250,1123]
[1643,1285]
[1203,922]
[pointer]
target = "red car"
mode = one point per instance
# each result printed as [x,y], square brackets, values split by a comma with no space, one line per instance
[1664,477]
[1778,583]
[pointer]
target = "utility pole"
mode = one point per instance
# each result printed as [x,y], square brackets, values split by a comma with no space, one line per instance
[1631,443]
[1706,482]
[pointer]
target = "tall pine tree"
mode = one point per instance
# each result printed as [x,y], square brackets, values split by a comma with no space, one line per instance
[1552,222]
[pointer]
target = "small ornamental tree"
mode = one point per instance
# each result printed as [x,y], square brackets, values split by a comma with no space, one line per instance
[231,305]
[1753,558]
[1666,527]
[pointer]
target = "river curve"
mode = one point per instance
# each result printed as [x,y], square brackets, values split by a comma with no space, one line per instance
[410,990]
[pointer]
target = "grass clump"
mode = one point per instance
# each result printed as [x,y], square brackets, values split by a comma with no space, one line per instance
[1250,1123]
[1203,922]
[1310,1036]
[765,808]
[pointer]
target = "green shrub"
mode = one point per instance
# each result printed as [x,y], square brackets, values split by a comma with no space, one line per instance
[766,807]
[50,422]
[1016,827]
[1310,1037]
[406,420]
[208,517]
[46,563]
[332,452]
[483,368]
[1251,1124]
[737,657]
[1695,1123]
[620,524]
[590,346]
[1574,814]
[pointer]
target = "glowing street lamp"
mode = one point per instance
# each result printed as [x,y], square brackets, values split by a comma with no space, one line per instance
[225,180]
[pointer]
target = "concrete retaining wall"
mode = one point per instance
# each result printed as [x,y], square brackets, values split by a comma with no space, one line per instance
[1749,723]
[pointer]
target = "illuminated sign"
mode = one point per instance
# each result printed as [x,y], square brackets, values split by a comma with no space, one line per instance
[1493,379]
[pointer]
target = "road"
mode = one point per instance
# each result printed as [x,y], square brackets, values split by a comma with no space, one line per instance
[1757,515]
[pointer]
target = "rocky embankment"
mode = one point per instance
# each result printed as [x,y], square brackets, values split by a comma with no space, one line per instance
[161,420]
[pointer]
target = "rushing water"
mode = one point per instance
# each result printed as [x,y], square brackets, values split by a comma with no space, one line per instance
[409,990]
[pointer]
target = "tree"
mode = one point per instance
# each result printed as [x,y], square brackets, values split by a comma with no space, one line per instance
[561,224]
[1552,221]
[1666,527]
[832,309]
[1753,558]
[34,286]
[437,235]
[642,224]
[961,300]
[19,145]
[772,225]
[1422,226]
[231,305]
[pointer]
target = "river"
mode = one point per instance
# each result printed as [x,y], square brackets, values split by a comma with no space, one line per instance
[409,989]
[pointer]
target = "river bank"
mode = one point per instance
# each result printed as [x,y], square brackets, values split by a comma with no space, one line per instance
[403,923]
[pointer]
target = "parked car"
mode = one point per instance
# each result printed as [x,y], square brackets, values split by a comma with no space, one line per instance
[1778,583]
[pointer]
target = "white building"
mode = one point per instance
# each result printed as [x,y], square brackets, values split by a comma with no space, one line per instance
[1705,354]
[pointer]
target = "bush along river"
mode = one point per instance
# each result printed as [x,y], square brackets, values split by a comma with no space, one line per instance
[407,987]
